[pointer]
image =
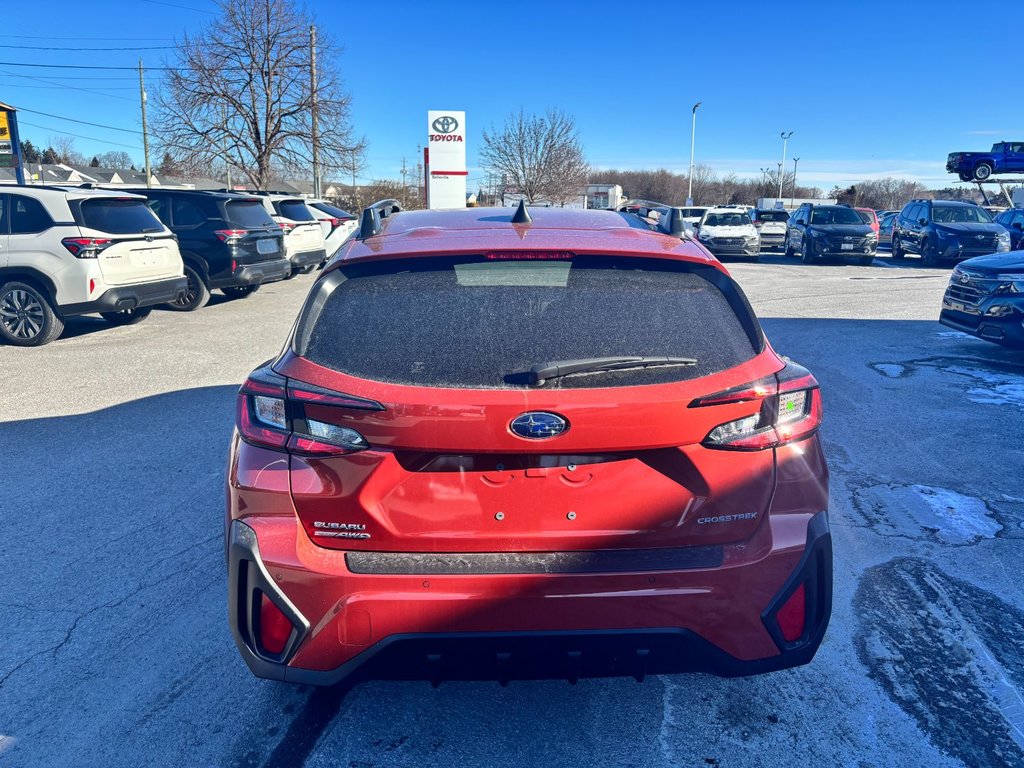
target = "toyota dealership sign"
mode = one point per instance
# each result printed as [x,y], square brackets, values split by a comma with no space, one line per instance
[446,159]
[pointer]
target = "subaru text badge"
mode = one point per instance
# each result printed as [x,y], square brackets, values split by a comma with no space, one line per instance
[538,425]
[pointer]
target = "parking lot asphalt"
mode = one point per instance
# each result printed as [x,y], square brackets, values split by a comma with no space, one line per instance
[116,649]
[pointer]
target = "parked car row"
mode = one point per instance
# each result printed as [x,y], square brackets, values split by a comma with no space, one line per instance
[67,251]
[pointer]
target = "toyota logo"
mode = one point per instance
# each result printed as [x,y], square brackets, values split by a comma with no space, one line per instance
[964,277]
[538,425]
[979,237]
[446,124]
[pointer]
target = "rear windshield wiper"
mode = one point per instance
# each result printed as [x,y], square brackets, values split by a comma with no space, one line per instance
[556,369]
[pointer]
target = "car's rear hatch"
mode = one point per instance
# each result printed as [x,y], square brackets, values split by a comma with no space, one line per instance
[444,347]
[259,238]
[302,230]
[130,243]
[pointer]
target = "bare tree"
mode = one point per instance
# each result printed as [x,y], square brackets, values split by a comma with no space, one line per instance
[240,93]
[539,157]
[115,159]
[64,149]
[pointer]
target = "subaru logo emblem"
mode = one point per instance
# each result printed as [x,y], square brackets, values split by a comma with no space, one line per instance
[847,238]
[979,237]
[538,425]
[445,124]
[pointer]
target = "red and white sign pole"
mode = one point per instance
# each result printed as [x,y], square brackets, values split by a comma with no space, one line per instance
[446,159]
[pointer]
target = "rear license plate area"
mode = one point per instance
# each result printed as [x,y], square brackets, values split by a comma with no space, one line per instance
[267,246]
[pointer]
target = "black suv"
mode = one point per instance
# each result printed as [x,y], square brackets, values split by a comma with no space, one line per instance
[227,241]
[819,231]
[946,230]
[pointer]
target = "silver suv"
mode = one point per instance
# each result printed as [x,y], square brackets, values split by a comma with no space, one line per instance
[70,251]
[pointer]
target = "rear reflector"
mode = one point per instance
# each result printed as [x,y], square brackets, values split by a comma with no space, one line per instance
[275,628]
[792,615]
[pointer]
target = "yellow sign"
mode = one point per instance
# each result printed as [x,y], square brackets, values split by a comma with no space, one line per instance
[5,129]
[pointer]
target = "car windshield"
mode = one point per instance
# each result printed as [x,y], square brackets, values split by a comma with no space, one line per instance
[248,213]
[726,220]
[773,216]
[835,216]
[960,214]
[461,322]
[120,216]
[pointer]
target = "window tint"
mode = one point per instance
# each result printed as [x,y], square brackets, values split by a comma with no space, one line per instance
[186,213]
[295,210]
[28,216]
[249,214]
[330,210]
[835,216]
[955,214]
[3,214]
[726,220]
[119,216]
[772,216]
[158,205]
[467,323]
[1017,219]
[913,213]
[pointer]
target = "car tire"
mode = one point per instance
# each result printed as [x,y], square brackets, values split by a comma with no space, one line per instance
[982,171]
[307,270]
[239,291]
[929,256]
[26,317]
[196,295]
[127,316]
[805,253]
[964,176]
[897,251]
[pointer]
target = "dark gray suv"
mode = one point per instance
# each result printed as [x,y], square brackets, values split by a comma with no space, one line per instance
[946,231]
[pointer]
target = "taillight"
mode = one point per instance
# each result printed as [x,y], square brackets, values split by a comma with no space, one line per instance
[275,627]
[231,236]
[272,413]
[528,255]
[792,616]
[789,409]
[85,247]
[287,226]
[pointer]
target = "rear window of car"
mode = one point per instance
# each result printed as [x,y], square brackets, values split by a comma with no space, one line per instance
[330,210]
[249,214]
[129,216]
[772,216]
[484,324]
[295,210]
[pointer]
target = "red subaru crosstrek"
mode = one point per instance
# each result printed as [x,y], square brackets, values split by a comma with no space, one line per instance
[549,444]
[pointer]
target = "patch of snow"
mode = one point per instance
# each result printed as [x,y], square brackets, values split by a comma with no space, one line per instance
[892,370]
[917,510]
[993,388]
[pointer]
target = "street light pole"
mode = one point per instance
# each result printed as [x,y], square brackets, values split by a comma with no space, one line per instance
[764,181]
[693,135]
[782,166]
[793,197]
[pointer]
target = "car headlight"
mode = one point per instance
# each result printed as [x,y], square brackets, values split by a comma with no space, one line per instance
[1011,283]
[946,234]
[816,233]
[1003,237]
[872,235]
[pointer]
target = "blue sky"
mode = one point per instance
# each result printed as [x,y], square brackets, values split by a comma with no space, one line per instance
[860,104]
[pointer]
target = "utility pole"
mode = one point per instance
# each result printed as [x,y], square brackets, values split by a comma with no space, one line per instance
[764,182]
[405,187]
[693,135]
[224,149]
[791,199]
[145,138]
[313,109]
[782,166]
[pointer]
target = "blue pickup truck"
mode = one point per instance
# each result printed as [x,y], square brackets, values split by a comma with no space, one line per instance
[1005,157]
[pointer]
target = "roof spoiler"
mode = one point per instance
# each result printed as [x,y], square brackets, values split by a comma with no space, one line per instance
[373,215]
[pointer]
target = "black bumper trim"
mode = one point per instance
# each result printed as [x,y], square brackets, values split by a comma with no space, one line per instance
[255,274]
[130,297]
[305,258]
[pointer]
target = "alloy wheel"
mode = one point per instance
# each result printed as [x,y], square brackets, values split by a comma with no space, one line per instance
[22,314]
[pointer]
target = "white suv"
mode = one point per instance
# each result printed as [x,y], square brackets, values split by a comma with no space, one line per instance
[71,251]
[303,237]
[728,231]
[338,225]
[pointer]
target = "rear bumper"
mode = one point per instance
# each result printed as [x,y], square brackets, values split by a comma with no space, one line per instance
[255,274]
[772,241]
[306,258]
[130,297]
[350,627]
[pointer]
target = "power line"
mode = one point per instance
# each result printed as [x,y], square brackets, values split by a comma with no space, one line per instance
[65,87]
[79,66]
[82,50]
[83,122]
[183,7]
[79,37]
[78,136]
[68,87]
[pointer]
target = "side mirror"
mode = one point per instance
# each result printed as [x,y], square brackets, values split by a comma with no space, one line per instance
[923,222]
[1017,225]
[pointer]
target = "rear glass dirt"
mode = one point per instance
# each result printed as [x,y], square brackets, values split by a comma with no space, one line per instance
[249,214]
[117,216]
[485,324]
